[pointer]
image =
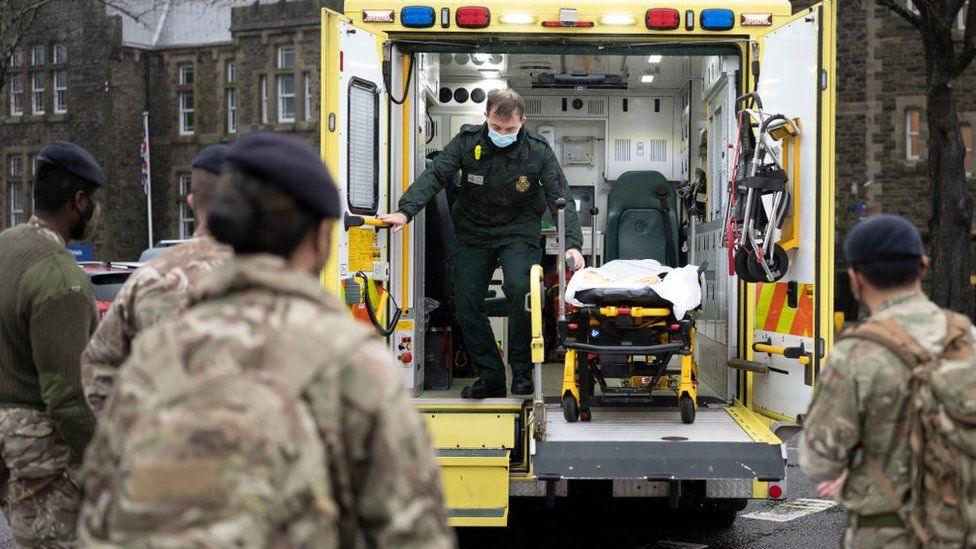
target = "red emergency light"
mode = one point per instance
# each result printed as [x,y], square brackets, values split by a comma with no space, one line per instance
[472,17]
[662,19]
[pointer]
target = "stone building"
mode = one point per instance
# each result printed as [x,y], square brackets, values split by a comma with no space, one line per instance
[203,70]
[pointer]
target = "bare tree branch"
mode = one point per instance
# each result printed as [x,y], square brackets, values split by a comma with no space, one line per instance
[897,7]
[968,49]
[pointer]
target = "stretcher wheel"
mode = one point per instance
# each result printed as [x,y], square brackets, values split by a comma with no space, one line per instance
[742,261]
[570,409]
[585,415]
[687,407]
[781,264]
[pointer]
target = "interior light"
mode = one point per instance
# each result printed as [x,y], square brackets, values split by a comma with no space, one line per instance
[378,16]
[518,18]
[618,19]
[490,74]
[647,78]
[655,58]
[568,15]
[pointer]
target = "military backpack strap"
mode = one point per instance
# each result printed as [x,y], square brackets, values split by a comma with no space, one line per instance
[889,334]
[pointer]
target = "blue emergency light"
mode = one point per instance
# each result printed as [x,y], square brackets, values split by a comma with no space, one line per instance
[417,17]
[717,19]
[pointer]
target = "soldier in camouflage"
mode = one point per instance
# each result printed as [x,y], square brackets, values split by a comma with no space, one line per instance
[855,432]
[159,289]
[47,314]
[264,416]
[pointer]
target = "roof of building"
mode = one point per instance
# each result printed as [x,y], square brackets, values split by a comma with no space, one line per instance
[172,23]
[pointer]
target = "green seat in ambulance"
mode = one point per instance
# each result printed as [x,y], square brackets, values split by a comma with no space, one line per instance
[642,220]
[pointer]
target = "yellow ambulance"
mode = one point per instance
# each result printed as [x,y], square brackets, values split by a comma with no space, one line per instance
[616,88]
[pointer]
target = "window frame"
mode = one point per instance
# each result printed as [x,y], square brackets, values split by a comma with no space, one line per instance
[230,98]
[186,98]
[38,106]
[359,83]
[63,57]
[263,84]
[38,59]
[185,214]
[16,197]
[965,128]
[282,97]
[17,58]
[230,71]
[307,79]
[280,64]
[62,108]
[16,96]
[909,134]
[184,69]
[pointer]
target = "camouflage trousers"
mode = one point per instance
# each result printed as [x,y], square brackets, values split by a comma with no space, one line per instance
[877,538]
[39,489]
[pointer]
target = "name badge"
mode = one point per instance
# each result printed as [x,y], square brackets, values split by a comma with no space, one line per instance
[476,179]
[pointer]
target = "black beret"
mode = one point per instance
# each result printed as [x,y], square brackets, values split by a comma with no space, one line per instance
[73,159]
[883,238]
[212,158]
[290,164]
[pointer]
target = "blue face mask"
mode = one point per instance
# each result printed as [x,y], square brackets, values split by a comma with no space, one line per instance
[501,141]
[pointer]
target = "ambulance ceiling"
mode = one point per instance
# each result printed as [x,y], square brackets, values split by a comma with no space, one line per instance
[540,71]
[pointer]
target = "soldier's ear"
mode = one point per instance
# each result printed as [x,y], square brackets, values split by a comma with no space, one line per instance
[323,238]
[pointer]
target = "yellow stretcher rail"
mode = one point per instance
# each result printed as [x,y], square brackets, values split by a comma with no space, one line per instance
[783,351]
[636,312]
[538,347]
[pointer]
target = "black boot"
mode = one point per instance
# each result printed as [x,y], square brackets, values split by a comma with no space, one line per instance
[483,389]
[522,383]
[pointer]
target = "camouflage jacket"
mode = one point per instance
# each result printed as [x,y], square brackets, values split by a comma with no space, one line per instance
[159,290]
[860,409]
[257,314]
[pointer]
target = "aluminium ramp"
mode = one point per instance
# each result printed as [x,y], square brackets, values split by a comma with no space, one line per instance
[653,443]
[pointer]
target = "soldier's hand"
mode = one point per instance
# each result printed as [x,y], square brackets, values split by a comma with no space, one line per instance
[574,259]
[830,489]
[396,219]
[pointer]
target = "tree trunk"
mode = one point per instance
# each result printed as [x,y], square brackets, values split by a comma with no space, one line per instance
[951,221]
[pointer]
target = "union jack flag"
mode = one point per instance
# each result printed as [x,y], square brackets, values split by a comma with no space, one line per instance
[144,154]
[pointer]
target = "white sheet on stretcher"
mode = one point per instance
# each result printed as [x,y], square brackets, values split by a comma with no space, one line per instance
[680,286]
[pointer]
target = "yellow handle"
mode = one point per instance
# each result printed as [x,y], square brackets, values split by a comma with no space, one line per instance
[773,350]
[535,307]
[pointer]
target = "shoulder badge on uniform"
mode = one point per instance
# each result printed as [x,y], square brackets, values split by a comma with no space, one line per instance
[523,184]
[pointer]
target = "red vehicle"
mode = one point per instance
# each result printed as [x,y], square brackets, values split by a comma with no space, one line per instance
[107,279]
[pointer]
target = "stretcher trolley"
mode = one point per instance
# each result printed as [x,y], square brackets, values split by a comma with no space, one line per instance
[631,333]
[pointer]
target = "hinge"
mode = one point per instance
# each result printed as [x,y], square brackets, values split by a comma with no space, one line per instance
[823,79]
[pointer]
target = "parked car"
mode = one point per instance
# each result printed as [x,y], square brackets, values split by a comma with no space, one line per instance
[107,279]
[159,248]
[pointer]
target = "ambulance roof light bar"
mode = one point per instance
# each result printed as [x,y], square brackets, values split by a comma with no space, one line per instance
[378,16]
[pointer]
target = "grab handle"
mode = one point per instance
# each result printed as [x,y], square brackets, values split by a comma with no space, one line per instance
[349,221]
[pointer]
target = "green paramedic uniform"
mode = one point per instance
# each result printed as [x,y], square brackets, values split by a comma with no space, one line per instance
[497,216]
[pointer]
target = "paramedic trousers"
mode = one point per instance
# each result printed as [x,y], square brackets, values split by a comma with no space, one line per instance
[473,269]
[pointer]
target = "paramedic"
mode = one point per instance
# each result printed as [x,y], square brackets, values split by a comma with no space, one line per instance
[509,176]
[855,440]
[261,417]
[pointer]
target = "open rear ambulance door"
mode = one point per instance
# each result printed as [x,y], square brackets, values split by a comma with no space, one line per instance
[354,140]
[797,79]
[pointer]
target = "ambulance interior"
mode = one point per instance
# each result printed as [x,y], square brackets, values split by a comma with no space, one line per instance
[604,116]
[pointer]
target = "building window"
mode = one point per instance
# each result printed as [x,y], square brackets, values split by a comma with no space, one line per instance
[308,95]
[913,134]
[60,54]
[231,72]
[17,58]
[186,214]
[961,16]
[16,166]
[286,57]
[37,93]
[264,99]
[16,204]
[967,141]
[186,98]
[37,55]
[231,110]
[286,98]
[61,91]
[16,94]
